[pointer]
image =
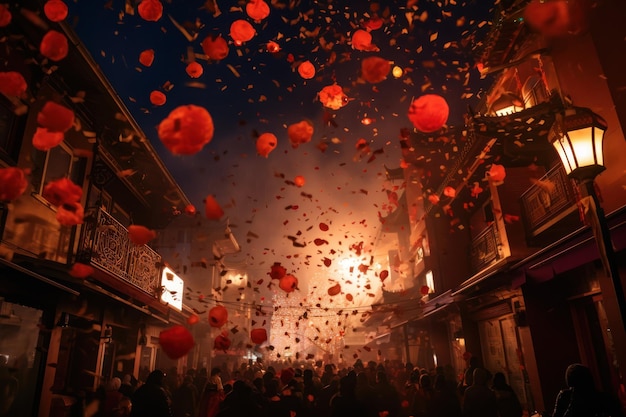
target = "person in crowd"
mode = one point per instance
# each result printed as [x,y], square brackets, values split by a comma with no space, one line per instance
[387,397]
[468,375]
[212,395]
[478,399]
[365,394]
[325,395]
[129,384]
[329,373]
[151,399]
[445,400]
[506,399]
[580,398]
[239,402]
[112,397]
[275,406]
[345,403]
[185,399]
[423,400]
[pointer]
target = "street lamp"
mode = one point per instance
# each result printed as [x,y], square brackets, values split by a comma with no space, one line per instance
[577,136]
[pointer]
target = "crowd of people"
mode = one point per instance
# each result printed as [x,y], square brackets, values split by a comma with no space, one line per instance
[362,390]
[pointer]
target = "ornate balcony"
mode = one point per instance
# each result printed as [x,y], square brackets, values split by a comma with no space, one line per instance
[105,244]
[485,249]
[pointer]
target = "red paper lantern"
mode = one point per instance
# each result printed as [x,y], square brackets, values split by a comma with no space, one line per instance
[334,290]
[222,342]
[62,191]
[194,70]
[429,113]
[306,70]
[384,274]
[362,41]
[299,181]
[215,48]
[266,143]
[12,83]
[373,23]
[193,319]
[272,47]
[55,117]
[44,140]
[150,10]
[449,192]
[257,10]
[212,209]
[146,58]
[140,235]
[190,210]
[300,133]
[55,10]
[54,45]
[374,69]
[277,271]
[81,271]
[333,97]
[13,183]
[218,316]
[433,198]
[258,336]
[157,98]
[424,290]
[186,130]
[5,16]
[558,19]
[288,283]
[176,341]
[496,173]
[241,31]
[70,214]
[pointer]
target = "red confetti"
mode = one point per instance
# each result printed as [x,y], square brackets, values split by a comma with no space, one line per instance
[258,336]
[146,58]
[5,16]
[215,47]
[257,10]
[55,117]
[374,69]
[62,191]
[241,31]
[186,130]
[176,341]
[212,209]
[194,70]
[55,10]
[300,133]
[266,143]
[306,70]
[334,290]
[54,46]
[429,113]
[140,235]
[13,183]
[288,283]
[12,83]
[44,140]
[82,271]
[150,10]
[158,98]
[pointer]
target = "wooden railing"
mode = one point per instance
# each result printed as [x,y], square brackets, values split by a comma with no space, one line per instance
[484,250]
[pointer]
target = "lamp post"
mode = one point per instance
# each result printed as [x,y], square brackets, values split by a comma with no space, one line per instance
[577,136]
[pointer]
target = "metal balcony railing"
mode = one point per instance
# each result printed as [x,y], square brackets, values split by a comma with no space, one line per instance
[484,250]
[548,201]
[105,245]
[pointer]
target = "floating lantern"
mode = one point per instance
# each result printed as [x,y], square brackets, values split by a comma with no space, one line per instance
[44,140]
[300,133]
[334,290]
[424,290]
[288,283]
[55,117]
[333,97]
[222,342]
[373,23]
[362,41]
[13,183]
[241,31]
[212,209]
[186,130]
[158,98]
[176,341]
[140,235]
[215,47]
[299,181]
[397,72]
[55,10]
[306,70]
[258,336]
[218,316]
[54,45]
[374,69]
[429,113]
[5,16]
[146,58]
[257,10]
[12,83]
[190,210]
[266,143]
[82,271]
[496,173]
[272,47]
[557,19]
[150,10]
[449,192]
[433,198]
[70,214]
[277,271]
[62,191]
[194,69]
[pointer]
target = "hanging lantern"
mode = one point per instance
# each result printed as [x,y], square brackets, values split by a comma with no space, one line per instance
[55,117]
[257,10]
[150,10]
[218,316]
[333,97]
[44,140]
[241,31]
[496,173]
[55,10]
[176,341]
[362,41]
[222,342]
[54,45]
[299,181]
[62,191]
[306,70]
[334,290]
[12,83]
[186,130]
[429,113]
[212,209]
[140,235]
[288,283]
[374,69]
[300,133]
[194,69]
[266,143]
[82,271]
[425,290]
[215,47]
[5,16]
[146,58]
[258,336]
[70,214]
[158,98]
[13,183]
[277,271]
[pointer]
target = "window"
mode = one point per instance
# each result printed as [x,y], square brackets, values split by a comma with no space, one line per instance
[11,128]
[56,163]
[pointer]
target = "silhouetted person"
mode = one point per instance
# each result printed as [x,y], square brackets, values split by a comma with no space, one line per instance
[365,394]
[151,399]
[580,398]
[445,400]
[345,403]
[185,399]
[213,395]
[479,400]
[506,399]
[387,397]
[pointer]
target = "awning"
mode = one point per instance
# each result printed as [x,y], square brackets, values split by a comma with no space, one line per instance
[37,276]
